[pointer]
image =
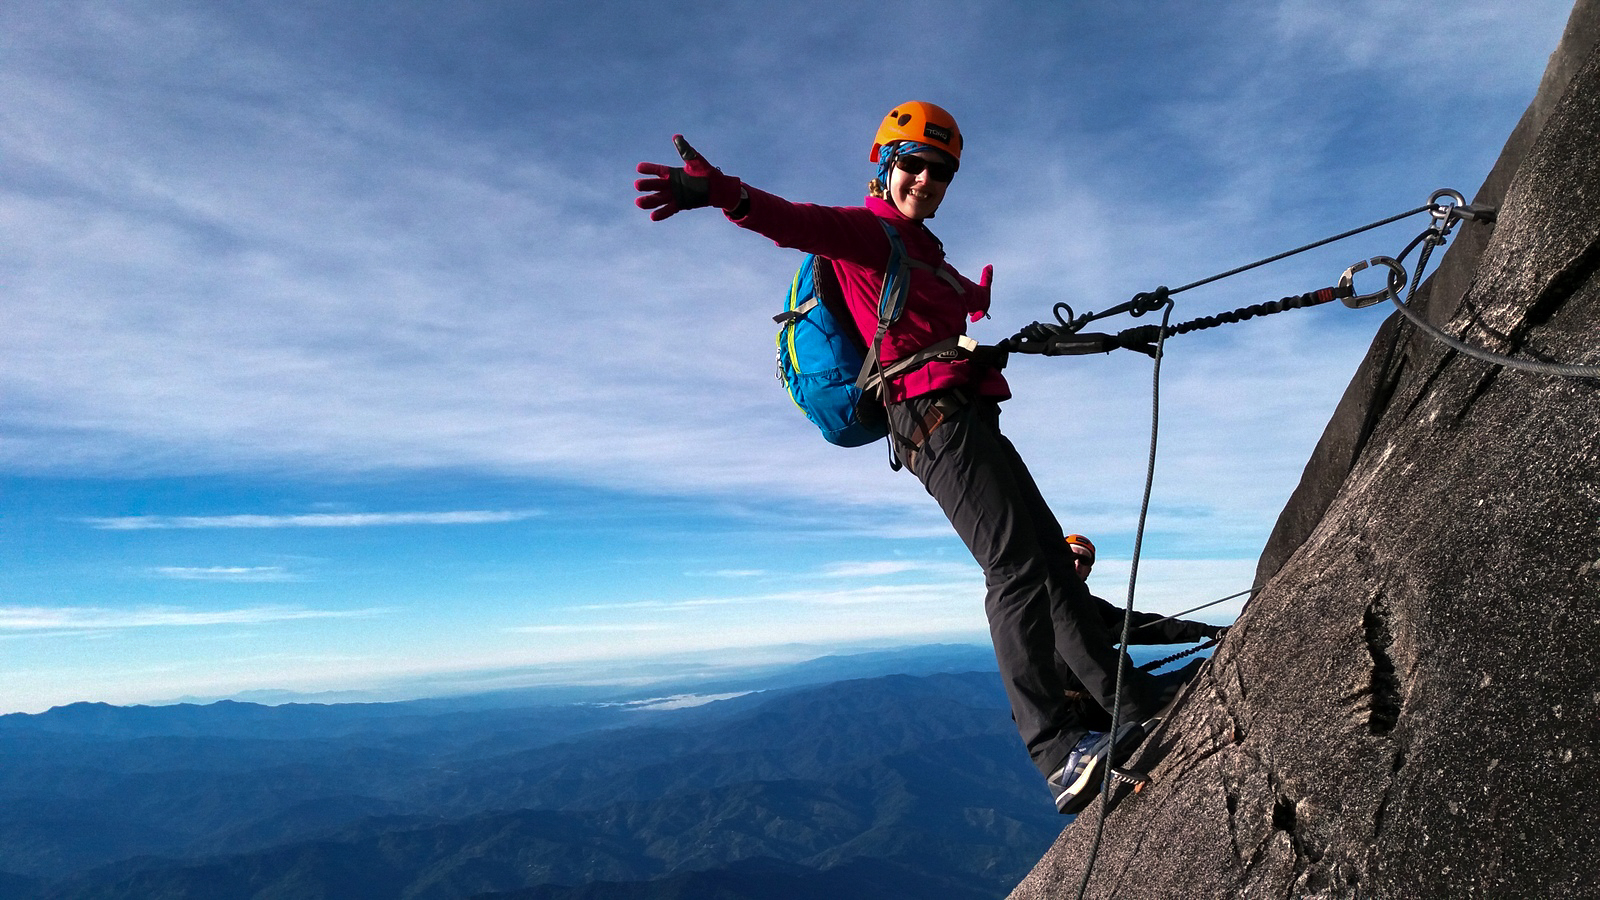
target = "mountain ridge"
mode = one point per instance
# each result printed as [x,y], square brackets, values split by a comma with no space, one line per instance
[909,779]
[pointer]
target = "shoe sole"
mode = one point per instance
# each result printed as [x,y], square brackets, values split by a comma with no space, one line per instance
[1103,752]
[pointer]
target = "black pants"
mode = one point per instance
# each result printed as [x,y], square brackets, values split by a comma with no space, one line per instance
[1036,604]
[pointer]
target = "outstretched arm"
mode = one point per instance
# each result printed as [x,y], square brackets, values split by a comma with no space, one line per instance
[847,234]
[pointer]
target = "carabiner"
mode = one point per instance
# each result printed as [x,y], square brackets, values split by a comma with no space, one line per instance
[1397,281]
[1446,216]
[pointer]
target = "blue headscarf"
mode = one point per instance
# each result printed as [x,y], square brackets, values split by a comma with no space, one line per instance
[893,150]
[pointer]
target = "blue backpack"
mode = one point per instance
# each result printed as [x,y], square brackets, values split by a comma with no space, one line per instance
[828,370]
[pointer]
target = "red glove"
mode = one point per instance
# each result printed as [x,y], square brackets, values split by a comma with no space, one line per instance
[983,282]
[697,183]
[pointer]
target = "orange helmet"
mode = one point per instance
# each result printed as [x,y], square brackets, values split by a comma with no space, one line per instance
[920,122]
[1077,540]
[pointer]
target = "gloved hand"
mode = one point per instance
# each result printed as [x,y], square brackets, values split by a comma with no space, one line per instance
[980,304]
[693,185]
[1214,632]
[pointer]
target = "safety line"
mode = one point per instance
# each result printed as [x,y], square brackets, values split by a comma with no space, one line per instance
[1429,239]
[1569,370]
[1048,339]
[1312,246]
[1200,607]
[1203,645]
[1127,613]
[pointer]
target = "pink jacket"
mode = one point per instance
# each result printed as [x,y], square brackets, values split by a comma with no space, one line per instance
[853,239]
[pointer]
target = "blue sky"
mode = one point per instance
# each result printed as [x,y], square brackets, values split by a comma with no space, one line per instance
[335,356]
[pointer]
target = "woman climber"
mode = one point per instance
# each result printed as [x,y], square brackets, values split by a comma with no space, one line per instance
[944,418]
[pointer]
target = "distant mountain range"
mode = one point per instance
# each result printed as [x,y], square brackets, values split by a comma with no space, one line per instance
[882,775]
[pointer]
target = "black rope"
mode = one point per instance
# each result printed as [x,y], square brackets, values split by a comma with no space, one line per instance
[1042,338]
[1311,246]
[1127,612]
[1435,236]
[1152,666]
[1430,239]
[1145,334]
[1195,609]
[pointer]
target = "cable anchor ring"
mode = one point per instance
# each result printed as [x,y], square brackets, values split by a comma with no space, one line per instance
[1444,211]
[1397,281]
[1446,215]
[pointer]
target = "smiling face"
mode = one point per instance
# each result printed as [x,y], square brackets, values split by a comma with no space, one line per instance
[916,196]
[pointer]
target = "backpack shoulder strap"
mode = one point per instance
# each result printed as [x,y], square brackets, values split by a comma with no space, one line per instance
[891,303]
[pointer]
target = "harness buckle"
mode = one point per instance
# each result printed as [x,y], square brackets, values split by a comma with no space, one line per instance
[1397,281]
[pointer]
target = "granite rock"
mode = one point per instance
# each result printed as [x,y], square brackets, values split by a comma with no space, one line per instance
[1410,706]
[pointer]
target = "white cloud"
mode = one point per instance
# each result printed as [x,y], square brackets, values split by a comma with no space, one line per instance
[580,630]
[873,569]
[965,584]
[312,520]
[70,618]
[249,574]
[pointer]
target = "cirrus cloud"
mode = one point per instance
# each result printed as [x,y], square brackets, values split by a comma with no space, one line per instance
[86,618]
[313,520]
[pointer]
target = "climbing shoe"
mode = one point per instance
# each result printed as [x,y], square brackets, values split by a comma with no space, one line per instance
[1078,780]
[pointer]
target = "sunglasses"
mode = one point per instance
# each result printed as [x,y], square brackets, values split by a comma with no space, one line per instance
[937,171]
[1082,560]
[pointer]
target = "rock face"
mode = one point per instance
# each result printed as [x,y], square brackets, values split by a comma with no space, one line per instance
[1410,706]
